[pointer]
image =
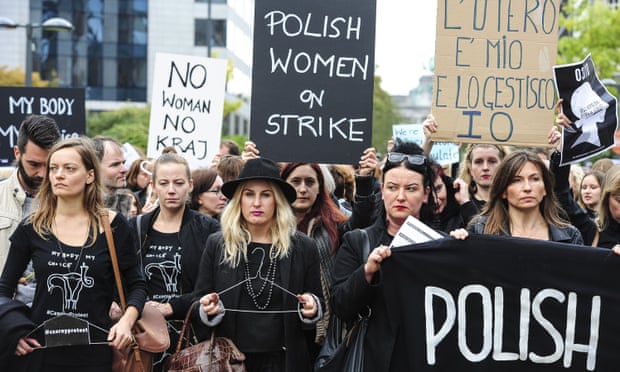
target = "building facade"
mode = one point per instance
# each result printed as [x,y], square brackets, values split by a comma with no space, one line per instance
[111,51]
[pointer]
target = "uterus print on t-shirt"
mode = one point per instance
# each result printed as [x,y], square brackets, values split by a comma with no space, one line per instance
[69,277]
[162,265]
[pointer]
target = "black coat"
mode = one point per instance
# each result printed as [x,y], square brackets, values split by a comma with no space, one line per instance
[299,274]
[195,229]
[14,324]
[351,294]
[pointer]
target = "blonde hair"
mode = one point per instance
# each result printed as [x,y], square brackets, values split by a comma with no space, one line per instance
[43,218]
[237,235]
[611,188]
[465,174]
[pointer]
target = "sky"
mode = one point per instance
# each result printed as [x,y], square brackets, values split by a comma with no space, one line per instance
[404,42]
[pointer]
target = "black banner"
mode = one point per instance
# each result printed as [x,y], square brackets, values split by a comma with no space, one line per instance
[65,105]
[591,109]
[505,304]
[312,79]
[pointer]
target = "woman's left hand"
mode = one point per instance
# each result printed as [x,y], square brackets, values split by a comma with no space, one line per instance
[310,307]
[460,234]
[120,334]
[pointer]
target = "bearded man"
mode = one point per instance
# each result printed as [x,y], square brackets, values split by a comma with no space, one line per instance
[37,134]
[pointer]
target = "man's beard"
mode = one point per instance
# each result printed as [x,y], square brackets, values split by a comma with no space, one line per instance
[33,183]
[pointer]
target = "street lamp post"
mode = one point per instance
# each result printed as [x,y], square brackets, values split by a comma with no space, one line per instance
[52,24]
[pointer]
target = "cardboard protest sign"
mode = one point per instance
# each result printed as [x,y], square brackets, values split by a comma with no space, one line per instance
[65,105]
[312,79]
[444,153]
[492,303]
[493,71]
[589,106]
[187,107]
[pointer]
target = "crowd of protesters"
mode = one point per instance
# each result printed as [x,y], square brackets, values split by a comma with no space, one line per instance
[269,250]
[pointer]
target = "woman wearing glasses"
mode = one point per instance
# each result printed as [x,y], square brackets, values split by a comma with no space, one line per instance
[406,186]
[172,238]
[207,197]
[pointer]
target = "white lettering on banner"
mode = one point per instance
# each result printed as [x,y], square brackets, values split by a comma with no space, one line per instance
[56,106]
[334,127]
[23,105]
[11,132]
[293,25]
[493,326]
[302,62]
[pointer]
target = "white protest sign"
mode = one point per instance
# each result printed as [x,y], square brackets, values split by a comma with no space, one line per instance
[187,107]
[444,153]
[413,231]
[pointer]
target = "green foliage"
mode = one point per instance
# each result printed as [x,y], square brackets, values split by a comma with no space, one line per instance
[385,114]
[131,124]
[594,27]
[238,139]
[128,124]
[16,77]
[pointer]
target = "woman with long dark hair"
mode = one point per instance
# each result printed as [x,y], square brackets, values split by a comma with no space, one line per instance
[65,239]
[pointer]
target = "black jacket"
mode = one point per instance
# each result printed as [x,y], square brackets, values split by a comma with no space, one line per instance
[351,295]
[577,216]
[300,273]
[195,229]
[14,324]
[610,236]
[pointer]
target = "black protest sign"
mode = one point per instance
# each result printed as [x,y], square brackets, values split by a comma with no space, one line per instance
[65,105]
[504,304]
[312,79]
[591,109]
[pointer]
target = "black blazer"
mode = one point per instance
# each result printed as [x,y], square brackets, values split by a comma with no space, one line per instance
[300,274]
[351,295]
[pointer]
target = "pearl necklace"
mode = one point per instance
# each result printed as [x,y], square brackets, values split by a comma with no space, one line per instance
[269,277]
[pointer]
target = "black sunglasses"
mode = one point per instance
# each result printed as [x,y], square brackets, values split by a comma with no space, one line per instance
[397,157]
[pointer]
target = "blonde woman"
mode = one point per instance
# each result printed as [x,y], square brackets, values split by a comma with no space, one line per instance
[66,242]
[259,278]
[609,213]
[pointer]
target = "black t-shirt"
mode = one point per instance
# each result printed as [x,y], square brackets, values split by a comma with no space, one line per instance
[75,281]
[162,266]
[262,298]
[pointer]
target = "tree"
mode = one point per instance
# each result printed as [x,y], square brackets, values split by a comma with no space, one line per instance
[384,115]
[16,77]
[592,27]
[131,124]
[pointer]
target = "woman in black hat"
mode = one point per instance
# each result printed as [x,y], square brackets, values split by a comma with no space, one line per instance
[259,278]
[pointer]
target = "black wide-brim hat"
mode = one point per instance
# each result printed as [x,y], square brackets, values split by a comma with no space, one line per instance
[260,169]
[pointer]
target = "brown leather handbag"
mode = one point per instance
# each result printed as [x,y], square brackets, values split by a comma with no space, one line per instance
[150,332]
[219,354]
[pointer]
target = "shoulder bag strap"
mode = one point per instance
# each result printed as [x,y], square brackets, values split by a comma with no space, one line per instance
[105,220]
[366,244]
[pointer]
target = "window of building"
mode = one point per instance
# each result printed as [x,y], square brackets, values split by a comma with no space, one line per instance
[201,31]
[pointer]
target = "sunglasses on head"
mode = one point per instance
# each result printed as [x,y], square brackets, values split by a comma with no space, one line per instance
[397,157]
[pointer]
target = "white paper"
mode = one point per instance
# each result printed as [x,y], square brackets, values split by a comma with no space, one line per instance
[413,231]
